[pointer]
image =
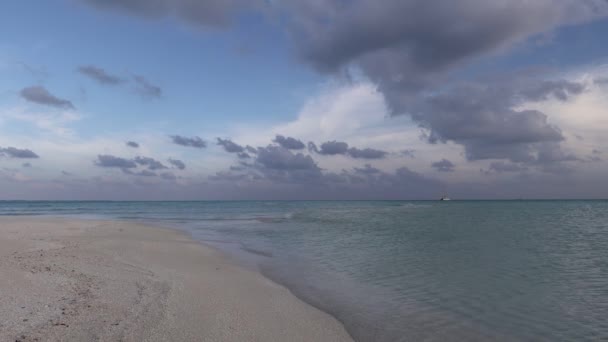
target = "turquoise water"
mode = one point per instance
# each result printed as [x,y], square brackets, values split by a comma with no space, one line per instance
[410,271]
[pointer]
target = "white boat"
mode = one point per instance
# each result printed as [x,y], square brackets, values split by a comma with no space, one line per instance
[445,198]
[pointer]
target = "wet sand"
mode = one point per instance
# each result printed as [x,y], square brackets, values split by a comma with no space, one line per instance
[81,280]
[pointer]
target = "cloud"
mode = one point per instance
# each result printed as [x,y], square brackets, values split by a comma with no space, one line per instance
[132,144]
[26,165]
[177,163]
[150,163]
[39,95]
[398,45]
[332,148]
[44,121]
[601,81]
[278,169]
[17,153]
[408,153]
[129,166]
[367,170]
[502,167]
[279,158]
[168,176]
[544,90]
[141,173]
[486,120]
[403,37]
[110,161]
[443,165]
[230,146]
[100,75]
[195,142]
[145,173]
[145,88]
[366,153]
[281,165]
[206,13]
[289,143]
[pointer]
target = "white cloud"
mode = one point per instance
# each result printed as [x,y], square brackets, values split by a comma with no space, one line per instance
[56,122]
[583,119]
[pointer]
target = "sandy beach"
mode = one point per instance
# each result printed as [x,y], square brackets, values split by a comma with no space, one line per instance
[80,280]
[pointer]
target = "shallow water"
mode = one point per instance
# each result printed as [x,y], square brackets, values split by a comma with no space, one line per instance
[410,271]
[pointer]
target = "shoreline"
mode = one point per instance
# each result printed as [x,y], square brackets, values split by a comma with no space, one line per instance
[76,279]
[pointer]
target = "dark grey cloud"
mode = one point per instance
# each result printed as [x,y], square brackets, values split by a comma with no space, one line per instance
[145,173]
[289,143]
[367,170]
[281,171]
[366,153]
[228,176]
[408,153]
[243,155]
[483,118]
[110,161]
[17,153]
[195,142]
[279,158]
[100,75]
[230,146]
[332,148]
[130,166]
[238,167]
[168,176]
[281,165]
[251,150]
[403,37]
[150,163]
[544,90]
[40,95]
[145,88]
[141,173]
[601,81]
[596,159]
[206,13]
[502,167]
[177,163]
[26,165]
[443,165]
[132,144]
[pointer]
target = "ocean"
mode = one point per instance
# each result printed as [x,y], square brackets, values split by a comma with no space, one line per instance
[408,270]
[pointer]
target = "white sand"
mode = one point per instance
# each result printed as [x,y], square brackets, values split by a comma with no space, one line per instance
[73,280]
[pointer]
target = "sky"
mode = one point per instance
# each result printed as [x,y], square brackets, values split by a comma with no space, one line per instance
[303,100]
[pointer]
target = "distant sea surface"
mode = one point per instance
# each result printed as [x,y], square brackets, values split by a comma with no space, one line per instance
[409,271]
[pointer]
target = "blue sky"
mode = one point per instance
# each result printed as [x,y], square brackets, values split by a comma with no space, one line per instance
[504,99]
[201,71]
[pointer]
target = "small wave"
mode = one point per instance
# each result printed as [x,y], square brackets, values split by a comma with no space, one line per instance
[257,252]
[274,219]
[414,206]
